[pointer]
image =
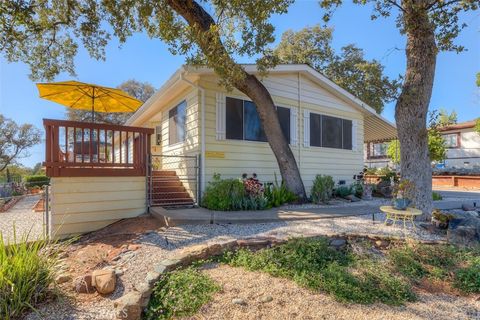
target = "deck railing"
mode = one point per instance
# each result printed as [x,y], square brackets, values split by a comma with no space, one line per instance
[81,149]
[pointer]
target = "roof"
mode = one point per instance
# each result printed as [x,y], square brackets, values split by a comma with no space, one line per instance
[377,128]
[459,126]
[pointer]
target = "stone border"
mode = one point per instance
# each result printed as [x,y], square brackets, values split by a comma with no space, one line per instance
[131,304]
[10,204]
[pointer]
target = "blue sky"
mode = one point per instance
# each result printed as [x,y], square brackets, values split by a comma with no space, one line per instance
[147,59]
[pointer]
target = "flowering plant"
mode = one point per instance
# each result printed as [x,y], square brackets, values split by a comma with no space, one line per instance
[253,187]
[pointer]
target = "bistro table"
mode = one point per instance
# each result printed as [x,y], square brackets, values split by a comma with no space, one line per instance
[393,215]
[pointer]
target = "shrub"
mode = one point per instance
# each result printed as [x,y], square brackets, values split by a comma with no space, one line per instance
[467,278]
[386,174]
[26,272]
[180,294]
[36,181]
[343,191]
[278,194]
[436,196]
[357,189]
[223,194]
[322,188]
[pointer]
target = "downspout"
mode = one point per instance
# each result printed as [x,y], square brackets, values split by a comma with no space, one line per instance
[202,132]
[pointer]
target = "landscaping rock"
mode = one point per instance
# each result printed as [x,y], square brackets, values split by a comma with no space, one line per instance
[104,280]
[352,198]
[152,277]
[467,207]
[384,189]
[464,229]
[239,301]
[133,247]
[129,307]
[83,284]
[266,299]
[338,243]
[382,244]
[62,278]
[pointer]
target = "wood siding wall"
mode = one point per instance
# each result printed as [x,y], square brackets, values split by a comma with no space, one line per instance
[84,204]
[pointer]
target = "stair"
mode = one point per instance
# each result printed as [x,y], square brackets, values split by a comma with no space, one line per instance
[168,190]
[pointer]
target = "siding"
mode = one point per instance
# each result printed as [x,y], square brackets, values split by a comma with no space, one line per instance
[86,204]
[468,155]
[248,156]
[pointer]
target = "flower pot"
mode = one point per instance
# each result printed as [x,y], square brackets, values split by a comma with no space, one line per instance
[401,204]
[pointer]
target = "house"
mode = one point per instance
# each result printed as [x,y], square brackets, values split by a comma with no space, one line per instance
[193,128]
[375,154]
[463,145]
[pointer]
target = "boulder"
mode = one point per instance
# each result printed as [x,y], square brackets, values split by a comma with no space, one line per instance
[464,229]
[129,307]
[338,244]
[104,280]
[352,198]
[62,278]
[83,284]
[384,188]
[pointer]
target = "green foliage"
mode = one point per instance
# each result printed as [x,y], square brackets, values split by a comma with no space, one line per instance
[322,188]
[436,196]
[445,118]
[278,194]
[343,191]
[357,188]
[26,274]
[349,69]
[386,174]
[477,126]
[180,294]
[313,264]
[36,181]
[436,148]
[444,262]
[223,194]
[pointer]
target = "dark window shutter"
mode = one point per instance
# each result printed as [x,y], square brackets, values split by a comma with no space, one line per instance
[347,134]
[315,130]
[234,118]
[284,118]
[252,125]
[331,132]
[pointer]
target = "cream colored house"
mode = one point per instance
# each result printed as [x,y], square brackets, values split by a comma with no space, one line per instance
[326,126]
[463,145]
[193,128]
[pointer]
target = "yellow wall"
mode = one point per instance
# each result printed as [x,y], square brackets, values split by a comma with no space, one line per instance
[288,90]
[86,204]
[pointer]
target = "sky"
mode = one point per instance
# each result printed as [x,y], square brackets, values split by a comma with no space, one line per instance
[149,60]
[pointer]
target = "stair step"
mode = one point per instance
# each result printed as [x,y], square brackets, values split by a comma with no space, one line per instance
[163,173]
[170,195]
[162,188]
[170,202]
[159,184]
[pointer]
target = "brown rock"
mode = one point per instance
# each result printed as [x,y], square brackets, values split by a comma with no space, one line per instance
[129,307]
[104,280]
[134,247]
[83,284]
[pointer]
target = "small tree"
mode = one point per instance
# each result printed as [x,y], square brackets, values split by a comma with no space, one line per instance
[349,69]
[139,90]
[446,119]
[15,140]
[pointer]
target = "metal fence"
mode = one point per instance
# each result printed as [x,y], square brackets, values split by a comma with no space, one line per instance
[160,175]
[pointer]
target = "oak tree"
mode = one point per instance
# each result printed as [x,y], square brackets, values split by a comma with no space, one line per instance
[429,26]
[46,35]
[349,68]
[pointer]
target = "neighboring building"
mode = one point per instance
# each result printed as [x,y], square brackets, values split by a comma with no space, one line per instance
[325,125]
[375,154]
[463,145]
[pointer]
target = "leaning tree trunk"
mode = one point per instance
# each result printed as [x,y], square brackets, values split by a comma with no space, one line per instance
[412,106]
[211,45]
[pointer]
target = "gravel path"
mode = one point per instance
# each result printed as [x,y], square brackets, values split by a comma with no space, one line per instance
[290,301]
[23,219]
[162,243]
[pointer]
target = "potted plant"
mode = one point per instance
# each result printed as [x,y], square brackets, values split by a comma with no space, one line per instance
[441,219]
[401,194]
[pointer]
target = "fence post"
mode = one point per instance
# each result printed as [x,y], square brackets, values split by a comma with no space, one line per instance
[199,178]
[47,209]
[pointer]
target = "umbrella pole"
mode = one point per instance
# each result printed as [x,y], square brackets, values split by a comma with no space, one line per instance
[93,106]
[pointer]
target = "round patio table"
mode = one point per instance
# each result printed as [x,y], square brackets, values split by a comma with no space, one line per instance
[406,215]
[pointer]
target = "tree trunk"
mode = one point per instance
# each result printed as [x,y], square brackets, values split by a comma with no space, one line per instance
[210,43]
[412,106]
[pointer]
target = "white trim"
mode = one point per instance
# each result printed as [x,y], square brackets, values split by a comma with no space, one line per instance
[220,115]
[293,126]
[306,128]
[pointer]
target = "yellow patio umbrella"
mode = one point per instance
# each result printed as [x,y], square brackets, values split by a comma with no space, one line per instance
[86,96]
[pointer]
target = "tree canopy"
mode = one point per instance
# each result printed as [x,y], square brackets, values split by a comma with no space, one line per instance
[445,118]
[15,140]
[140,90]
[349,69]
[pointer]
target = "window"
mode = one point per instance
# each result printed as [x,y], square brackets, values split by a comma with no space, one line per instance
[379,149]
[243,123]
[158,135]
[176,123]
[330,132]
[451,140]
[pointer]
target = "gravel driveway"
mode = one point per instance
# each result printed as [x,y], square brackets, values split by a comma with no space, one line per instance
[23,219]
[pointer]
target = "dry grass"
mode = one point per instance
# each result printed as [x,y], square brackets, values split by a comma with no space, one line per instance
[293,302]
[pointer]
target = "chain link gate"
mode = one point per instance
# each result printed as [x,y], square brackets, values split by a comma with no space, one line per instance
[173,181]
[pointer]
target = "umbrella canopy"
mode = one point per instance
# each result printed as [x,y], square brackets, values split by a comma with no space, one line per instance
[86,96]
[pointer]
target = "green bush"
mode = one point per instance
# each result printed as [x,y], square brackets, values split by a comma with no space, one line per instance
[26,273]
[436,196]
[343,191]
[386,174]
[36,181]
[312,263]
[223,194]
[467,278]
[278,194]
[322,188]
[180,294]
